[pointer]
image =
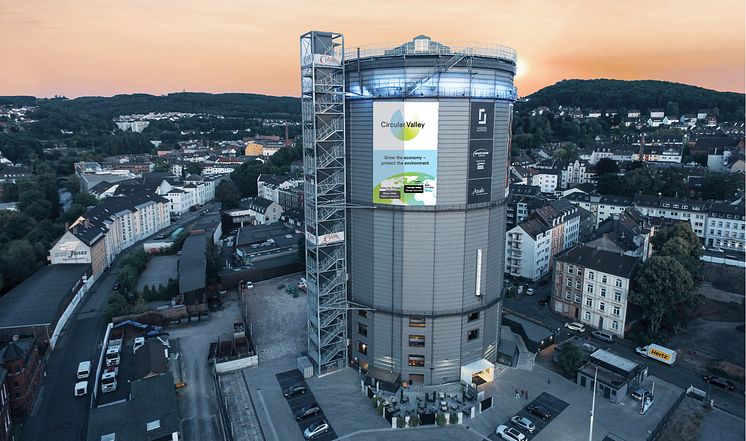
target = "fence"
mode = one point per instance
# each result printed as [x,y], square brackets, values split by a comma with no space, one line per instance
[656,433]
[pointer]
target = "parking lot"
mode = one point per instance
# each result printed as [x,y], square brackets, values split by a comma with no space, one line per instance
[549,402]
[297,402]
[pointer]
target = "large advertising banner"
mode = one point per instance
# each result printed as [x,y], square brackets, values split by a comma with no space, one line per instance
[405,152]
[481,125]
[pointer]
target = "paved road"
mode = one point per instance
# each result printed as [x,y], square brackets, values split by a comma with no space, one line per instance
[731,402]
[58,414]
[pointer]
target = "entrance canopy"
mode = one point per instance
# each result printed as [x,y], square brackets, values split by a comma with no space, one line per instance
[478,372]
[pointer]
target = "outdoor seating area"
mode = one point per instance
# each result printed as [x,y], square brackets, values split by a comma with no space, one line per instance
[423,401]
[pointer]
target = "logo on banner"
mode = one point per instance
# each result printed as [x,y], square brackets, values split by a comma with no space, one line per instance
[482,117]
[404,130]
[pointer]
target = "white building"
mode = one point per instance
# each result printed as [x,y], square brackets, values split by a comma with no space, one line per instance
[592,286]
[256,211]
[546,179]
[528,248]
[117,223]
[575,173]
[725,227]
[132,126]
[269,185]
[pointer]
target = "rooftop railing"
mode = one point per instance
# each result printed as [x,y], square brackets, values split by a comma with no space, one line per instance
[397,49]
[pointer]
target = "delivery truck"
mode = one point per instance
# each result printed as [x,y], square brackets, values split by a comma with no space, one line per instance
[658,352]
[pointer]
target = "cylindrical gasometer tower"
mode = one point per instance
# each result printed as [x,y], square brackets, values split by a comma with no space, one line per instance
[427,149]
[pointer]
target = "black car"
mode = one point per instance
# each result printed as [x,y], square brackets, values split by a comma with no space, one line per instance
[540,411]
[719,382]
[296,389]
[544,301]
[306,411]
[116,286]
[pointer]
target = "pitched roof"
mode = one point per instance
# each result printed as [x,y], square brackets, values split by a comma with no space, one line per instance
[600,260]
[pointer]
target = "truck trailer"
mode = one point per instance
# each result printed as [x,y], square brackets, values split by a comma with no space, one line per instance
[657,352]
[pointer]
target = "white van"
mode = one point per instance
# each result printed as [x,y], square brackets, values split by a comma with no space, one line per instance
[84,370]
[81,388]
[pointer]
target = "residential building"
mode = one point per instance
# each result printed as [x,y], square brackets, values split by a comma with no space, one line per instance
[725,227]
[548,180]
[119,221]
[21,361]
[627,233]
[292,197]
[531,245]
[664,153]
[575,173]
[269,185]
[522,201]
[256,211]
[592,286]
[13,174]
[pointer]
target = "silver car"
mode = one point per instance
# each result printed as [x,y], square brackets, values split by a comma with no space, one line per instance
[523,423]
[316,429]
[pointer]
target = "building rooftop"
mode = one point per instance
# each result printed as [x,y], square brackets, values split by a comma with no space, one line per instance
[41,299]
[614,360]
[193,263]
[600,260]
[150,414]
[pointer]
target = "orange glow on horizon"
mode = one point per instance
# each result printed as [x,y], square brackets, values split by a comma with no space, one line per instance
[86,47]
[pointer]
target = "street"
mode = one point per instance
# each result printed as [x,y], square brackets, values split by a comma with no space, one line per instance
[59,415]
[729,401]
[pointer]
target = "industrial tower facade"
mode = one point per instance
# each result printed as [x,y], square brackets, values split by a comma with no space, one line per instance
[323,113]
[420,134]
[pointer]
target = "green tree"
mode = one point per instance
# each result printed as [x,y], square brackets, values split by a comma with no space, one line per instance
[9,192]
[606,166]
[721,186]
[681,250]
[116,305]
[14,225]
[194,168]
[228,194]
[682,230]
[570,359]
[672,109]
[18,261]
[33,203]
[665,292]
[140,305]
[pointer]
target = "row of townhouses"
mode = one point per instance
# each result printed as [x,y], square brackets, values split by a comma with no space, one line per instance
[531,245]
[720,225]
[102,232]
[285,190]
[181,193]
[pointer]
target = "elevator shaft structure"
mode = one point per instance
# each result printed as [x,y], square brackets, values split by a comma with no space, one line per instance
[323,109]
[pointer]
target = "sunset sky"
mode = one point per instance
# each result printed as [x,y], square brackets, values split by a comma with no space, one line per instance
[93,47]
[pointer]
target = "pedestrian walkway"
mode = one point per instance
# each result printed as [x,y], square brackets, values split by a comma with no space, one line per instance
[241,411]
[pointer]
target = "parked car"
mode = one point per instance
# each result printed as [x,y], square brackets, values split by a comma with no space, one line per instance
[575,326]
[642,350]
[540,411]
[84,370]
[719,382]
[81,388]
[530,291]
[139,342]
[116,287]
[296,389]
[640,393]
[509,433]
[544,301]
[523,423]
[603,336]
[316,429]
[311,409]
[249,285]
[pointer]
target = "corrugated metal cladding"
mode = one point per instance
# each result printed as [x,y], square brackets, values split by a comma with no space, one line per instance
[416,267]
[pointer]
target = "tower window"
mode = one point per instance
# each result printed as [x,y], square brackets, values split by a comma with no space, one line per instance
[417,360]
[473,334]
[416,321]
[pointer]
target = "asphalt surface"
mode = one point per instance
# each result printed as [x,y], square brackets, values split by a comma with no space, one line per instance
[59,415]
[731,402]
[296,403]
[548,401]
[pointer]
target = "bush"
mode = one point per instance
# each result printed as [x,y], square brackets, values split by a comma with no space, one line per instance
[440,419]
[570,359]
[116,305]
[453,418]
[414,421]
[401,422]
